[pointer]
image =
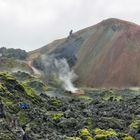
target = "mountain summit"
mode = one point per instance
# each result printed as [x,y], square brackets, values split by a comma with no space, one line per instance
[104,55]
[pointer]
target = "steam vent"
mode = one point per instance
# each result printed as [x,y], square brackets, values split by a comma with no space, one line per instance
[77,92]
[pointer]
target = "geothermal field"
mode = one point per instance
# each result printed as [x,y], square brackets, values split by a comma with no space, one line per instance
[85,86]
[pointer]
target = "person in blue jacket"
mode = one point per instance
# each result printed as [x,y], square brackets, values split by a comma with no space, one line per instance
[24,106]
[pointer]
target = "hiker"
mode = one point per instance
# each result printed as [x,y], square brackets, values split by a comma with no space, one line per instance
[70,33]
[24,106]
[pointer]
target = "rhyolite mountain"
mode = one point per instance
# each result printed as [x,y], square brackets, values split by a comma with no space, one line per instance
[104,55]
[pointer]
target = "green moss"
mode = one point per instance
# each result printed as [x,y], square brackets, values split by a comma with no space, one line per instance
[89,123]
[36,85]
[34,124]
[6,101]
[23,76]
[5,91]
[125,136]
[7,76]
[85,134]
[7,83]
[31,94]
[87,98]
[45,87]
[11,78]
[128,138]
[2,88]
[89,138]
[6,135]
[23,118]
[55,102]
[135,124]
[10,104]
[102,134]
[57,116]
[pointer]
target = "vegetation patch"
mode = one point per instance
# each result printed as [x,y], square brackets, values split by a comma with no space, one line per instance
[23,118]
[57,116]
[55,102]
[86,98]
[103,134]
[135,124]
[128,138]
[37,85]
[85,134]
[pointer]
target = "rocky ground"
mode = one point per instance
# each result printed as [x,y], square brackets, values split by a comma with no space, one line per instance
[25,115]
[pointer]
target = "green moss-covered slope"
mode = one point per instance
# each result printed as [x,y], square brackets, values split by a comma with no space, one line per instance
[40,117]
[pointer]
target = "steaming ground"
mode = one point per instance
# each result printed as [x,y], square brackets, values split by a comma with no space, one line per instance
[58,69]
[66,75]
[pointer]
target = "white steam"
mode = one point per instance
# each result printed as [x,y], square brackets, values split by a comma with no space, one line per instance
[60,68]
[66,74]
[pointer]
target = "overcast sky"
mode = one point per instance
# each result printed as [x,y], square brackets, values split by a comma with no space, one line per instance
[30,24]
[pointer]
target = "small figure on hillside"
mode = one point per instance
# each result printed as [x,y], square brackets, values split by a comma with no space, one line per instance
[70,34]
[24,106]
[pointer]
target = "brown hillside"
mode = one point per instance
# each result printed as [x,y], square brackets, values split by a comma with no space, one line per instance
[106,54]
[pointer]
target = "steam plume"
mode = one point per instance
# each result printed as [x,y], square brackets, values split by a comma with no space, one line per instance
[60,68]
[66,74]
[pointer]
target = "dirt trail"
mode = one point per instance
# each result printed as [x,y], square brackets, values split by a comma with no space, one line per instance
[37,72]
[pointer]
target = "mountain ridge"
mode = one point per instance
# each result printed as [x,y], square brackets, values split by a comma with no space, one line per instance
[103,55]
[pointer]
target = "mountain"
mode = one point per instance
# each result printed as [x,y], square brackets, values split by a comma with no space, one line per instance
[13,60]
[104,55]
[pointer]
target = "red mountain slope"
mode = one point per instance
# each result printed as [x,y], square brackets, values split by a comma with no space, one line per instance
[105,55]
